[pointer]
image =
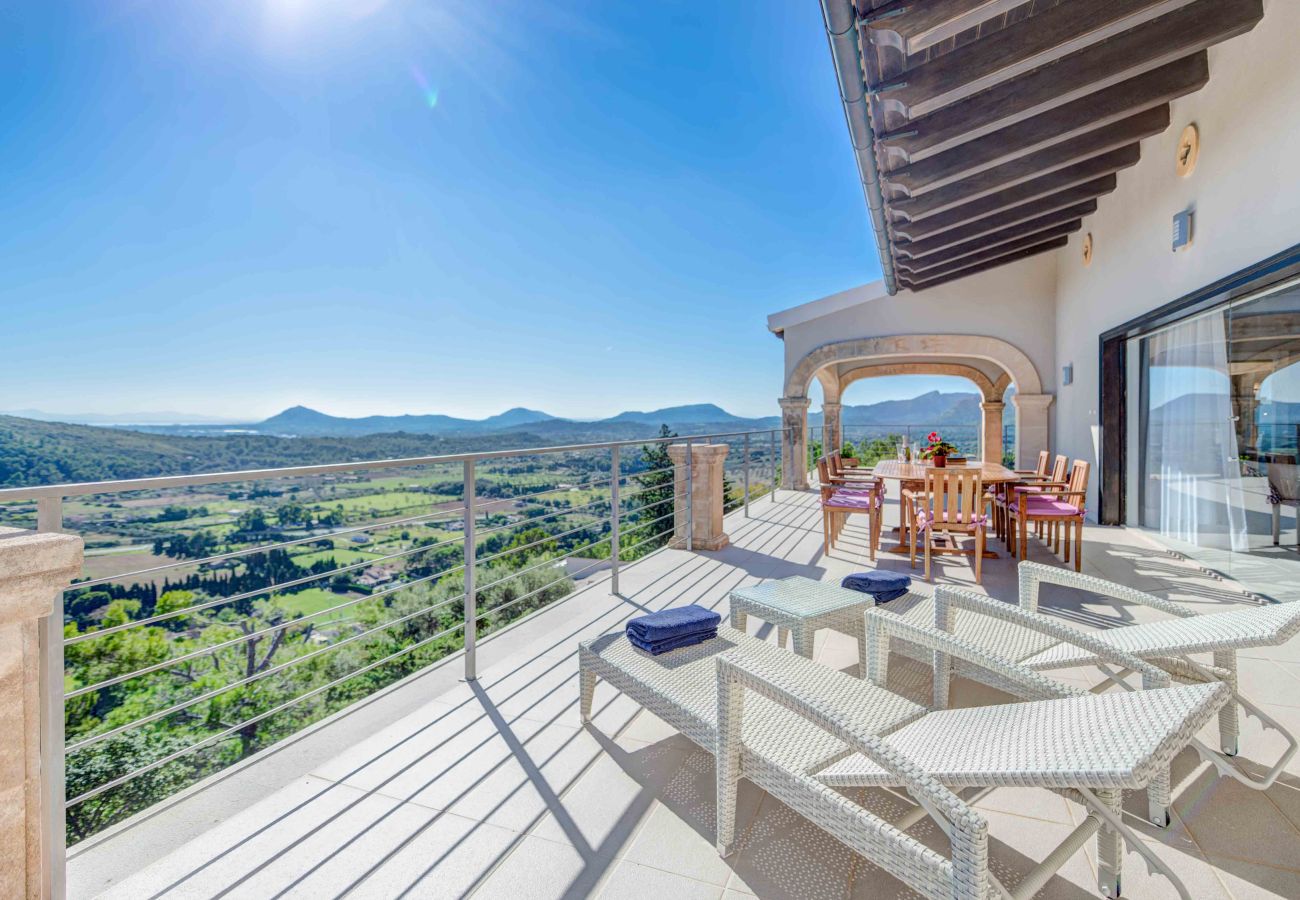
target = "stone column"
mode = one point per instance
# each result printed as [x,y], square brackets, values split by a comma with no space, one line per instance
[705,519]
[794,443]
[832,430]
[991,430]
[34,568]
[1032,431]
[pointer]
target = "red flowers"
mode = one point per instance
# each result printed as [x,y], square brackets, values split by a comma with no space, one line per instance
[932,437]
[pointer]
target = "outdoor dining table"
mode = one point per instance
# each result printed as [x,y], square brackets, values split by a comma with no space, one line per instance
[903,472]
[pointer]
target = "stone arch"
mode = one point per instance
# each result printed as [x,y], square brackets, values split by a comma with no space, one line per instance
[1000,386]
[988,387]
[896,354]
[1008,357]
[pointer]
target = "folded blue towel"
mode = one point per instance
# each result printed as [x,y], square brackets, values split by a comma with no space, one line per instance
[672,623]
[654,648]
[882,586]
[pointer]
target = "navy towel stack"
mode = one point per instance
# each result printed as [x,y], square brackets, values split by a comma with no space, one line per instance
[883,586]
[669,629]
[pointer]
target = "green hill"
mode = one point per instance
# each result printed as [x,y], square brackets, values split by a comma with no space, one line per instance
[34,452]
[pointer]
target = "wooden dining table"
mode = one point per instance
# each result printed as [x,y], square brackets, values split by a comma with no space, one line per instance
[902,472]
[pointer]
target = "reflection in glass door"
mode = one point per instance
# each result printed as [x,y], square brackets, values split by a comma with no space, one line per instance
[1218,439]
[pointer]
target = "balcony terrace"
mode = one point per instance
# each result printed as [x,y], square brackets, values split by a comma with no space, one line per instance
[441,788]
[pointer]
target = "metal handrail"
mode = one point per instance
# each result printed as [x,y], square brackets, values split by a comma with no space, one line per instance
[662,534]
[247,595]
[540,541]
[261,548]
[244,638]
[540,564]
[535,591]
[257,676]
[86,488]
[222,735]
[620,486]
[635,510]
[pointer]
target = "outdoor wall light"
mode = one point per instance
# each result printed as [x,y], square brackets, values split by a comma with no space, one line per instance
[1189,149]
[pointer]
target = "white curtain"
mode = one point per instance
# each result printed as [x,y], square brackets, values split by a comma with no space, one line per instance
[1192,472]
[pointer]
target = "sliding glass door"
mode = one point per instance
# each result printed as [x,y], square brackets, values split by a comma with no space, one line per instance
[1215,448]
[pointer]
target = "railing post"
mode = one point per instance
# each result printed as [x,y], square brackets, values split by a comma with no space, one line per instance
[614,471]
[690,492]
[747,475]
[771,493]
[471,605]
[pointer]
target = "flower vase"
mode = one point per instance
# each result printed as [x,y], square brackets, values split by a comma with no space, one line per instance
[940,461]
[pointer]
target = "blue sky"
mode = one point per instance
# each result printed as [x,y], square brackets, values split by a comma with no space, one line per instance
[230,206]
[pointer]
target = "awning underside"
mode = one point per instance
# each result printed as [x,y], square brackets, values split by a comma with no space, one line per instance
[997,124]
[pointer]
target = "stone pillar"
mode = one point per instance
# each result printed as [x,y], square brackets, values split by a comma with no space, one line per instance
[1032,431]
[832,430]
[34,568]
[991,430]
[706,496]
[794,443]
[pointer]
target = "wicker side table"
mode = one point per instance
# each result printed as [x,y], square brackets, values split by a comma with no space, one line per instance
[799,606]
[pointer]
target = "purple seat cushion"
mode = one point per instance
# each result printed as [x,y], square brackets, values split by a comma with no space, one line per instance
[1043,508]
[853,499]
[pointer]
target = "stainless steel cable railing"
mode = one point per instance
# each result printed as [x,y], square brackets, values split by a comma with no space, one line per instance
[455,575]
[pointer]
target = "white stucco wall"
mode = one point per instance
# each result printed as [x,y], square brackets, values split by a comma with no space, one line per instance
[1246,196]
[1014,303]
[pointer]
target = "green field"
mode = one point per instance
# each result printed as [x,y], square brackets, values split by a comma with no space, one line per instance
[314,600]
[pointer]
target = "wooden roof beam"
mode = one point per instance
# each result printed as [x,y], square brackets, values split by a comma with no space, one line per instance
[1030,191]
[1147,47]
[1146,91]
[928,235]
[919,261]
[1027,168]
[1010,52]
[920,284]
[984,255]
[919,26]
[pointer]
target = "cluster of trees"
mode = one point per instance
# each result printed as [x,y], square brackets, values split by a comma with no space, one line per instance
[244,664]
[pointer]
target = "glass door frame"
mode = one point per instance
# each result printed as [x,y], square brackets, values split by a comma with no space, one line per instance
[1113,399]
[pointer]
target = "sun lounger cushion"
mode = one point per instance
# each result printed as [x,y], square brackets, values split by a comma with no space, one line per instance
[1109,741]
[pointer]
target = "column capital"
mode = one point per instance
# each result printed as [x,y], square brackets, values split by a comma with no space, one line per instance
[795,404]
[34,567]
[699,452]
[832,404]
[992,404]
[1032,401]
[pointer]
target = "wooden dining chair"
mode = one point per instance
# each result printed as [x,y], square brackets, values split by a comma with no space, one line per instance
[951,502]
[1038,480]
[1062,509]
[838,502]
[844,474]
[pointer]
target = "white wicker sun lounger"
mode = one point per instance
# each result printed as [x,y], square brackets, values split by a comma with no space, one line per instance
[785,720]
[1168,644]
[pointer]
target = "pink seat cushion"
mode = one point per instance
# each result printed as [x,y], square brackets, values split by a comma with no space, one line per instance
[1043,508]
[852,500]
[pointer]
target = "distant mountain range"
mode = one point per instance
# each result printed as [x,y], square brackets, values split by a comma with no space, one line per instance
[933,408]
[43,452]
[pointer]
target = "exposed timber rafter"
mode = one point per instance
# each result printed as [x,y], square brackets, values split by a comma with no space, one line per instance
[915,257]
[995,125]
